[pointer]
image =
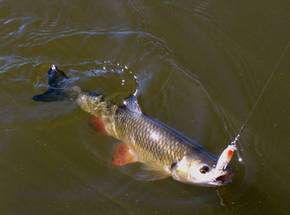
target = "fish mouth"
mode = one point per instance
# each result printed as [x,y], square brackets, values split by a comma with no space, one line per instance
[223,179]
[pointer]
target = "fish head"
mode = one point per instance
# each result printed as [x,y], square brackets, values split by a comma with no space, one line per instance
[200,172]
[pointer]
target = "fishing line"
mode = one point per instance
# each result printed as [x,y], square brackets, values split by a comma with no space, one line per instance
[263,90]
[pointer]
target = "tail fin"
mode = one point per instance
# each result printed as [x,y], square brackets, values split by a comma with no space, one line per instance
[57,82]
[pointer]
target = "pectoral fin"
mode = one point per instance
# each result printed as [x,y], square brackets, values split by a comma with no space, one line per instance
[123,155]
[151,173]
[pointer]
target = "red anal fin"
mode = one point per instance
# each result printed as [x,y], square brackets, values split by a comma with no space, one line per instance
[123,155]
[98,124]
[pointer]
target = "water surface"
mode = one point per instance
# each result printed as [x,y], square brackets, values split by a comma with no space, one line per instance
[201,65]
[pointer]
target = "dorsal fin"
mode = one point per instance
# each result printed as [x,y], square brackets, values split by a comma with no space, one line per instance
[132,104]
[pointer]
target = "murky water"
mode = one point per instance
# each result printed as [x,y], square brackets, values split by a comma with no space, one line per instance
[201,65]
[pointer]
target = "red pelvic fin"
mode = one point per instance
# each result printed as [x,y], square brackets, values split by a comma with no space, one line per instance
[98,124]
[123,155]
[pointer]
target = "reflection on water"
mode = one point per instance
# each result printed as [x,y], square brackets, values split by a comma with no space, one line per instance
[200,66]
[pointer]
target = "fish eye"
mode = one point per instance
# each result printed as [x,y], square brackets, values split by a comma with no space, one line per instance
[204,169]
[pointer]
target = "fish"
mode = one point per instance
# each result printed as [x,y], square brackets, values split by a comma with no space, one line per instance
[163,151]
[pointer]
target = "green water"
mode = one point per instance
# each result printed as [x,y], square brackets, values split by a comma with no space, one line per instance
[201,65]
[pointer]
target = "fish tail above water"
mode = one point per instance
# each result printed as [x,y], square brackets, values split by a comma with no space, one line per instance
[57,84]
[59,87]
